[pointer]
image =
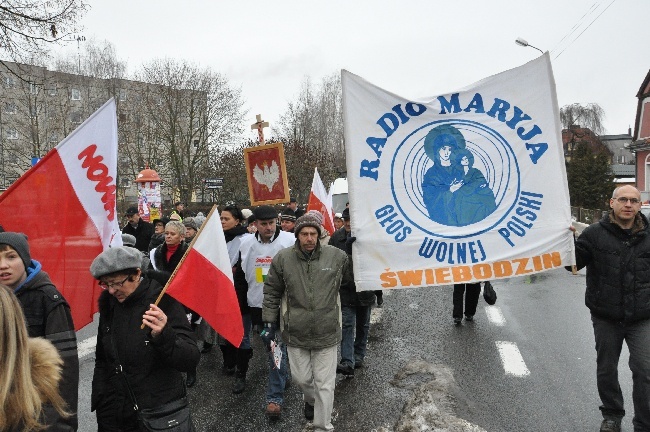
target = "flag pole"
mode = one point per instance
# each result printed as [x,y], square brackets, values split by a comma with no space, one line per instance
[214,208]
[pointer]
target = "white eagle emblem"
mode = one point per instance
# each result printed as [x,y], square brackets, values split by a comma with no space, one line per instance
[267,175]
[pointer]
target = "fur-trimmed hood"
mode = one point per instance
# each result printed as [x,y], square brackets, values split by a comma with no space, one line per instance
[46,366]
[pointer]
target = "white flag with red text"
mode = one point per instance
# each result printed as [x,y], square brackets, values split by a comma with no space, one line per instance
[321,201]
[66,204]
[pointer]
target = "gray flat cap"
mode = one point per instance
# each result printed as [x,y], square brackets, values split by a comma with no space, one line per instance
[128,240]
[115,259]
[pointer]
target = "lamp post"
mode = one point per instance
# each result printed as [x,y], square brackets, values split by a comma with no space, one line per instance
[79,39]
[524,43]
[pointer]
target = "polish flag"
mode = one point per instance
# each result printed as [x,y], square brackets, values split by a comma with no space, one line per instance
[66,206]
[203,281]
[321,201]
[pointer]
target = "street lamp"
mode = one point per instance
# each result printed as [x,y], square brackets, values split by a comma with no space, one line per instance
[79,39]
[522,42]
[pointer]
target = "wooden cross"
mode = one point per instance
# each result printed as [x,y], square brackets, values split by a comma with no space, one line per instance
[260,125]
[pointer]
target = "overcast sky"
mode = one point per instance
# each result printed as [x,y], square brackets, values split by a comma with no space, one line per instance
[412,48]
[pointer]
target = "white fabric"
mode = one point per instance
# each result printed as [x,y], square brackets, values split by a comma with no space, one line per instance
[315,373]
[211,243]
[321,201]
[89,155]
[256,260]
[233,248]
[423,216]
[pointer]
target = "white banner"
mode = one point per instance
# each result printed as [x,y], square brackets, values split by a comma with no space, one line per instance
[466,186]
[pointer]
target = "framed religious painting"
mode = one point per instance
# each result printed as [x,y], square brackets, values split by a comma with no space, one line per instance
[266,174]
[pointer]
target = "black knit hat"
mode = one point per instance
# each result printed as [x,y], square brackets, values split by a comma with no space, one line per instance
[346,214]
[265,212]
[18,241]
[305,221]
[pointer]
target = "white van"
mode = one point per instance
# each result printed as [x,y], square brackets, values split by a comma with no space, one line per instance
[339,194]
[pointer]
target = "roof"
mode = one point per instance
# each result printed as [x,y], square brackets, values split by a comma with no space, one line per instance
[623,170]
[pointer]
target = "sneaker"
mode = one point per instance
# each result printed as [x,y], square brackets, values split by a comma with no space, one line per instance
[380,301]
[345,369]
[457,321]
[273,410]
[610,426]
[469,317]
[240,385]
[309,411]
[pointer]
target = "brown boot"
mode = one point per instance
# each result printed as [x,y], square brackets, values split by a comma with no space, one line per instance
[273,411]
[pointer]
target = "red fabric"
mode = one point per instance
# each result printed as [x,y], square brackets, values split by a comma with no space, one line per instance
[170,251]
[43,205]
[212,295]
[316,204]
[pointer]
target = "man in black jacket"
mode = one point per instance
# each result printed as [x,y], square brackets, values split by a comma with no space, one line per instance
[616,252]
[141,230]
[355,308]
[47,315]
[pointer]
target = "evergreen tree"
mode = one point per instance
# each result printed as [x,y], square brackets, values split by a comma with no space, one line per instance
[590,178]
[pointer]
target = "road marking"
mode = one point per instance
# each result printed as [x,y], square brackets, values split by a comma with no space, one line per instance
[86,346]
[495,316]
[513,362]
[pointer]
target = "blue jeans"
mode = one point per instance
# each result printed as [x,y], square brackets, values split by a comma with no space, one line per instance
[353,343]
[609,342]
[277,377]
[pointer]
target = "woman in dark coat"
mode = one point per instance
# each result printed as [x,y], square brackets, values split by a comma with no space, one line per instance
[151,359]
[233,357]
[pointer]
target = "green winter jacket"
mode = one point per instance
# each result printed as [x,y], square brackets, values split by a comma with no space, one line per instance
[306,291]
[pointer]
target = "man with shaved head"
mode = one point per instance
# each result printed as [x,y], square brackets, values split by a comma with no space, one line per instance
[616,252]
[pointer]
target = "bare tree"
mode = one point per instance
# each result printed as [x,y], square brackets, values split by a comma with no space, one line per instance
[589,116]
[97,59]
[191,112]
[28,27]
[315,119]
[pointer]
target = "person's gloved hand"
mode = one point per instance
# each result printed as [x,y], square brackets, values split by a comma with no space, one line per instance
[268,333]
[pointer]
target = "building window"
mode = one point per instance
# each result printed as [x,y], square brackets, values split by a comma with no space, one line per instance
[75,94]
[10,82]
[122,95]
[10,108]
[52,91]
[33,88]
[122,117]
[53,138]
[75,118]
[12,134]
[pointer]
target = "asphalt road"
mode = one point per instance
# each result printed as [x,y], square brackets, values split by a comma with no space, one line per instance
[422,372]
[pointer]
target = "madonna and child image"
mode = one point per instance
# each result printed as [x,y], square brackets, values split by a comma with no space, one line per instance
[454,192]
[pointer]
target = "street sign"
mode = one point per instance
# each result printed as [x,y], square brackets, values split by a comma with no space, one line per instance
[214,183]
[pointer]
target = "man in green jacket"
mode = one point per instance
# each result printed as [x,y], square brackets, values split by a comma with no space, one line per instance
[303,283]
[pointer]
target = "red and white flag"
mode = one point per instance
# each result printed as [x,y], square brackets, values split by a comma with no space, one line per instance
[204,282]
[66,206]
[321,201]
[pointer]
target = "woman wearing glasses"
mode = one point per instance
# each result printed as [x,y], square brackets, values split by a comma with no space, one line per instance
[135,366]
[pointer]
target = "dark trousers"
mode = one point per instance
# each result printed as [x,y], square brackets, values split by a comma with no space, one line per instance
[471,298]
[609,342]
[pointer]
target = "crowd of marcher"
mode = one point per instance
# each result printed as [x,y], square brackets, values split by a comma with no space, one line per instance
[295,287]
